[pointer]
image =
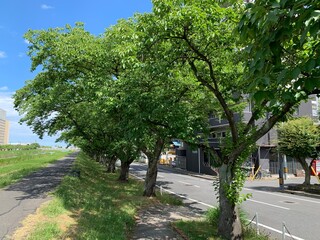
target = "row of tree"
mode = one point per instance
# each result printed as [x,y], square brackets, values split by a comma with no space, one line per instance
[11,147]
[158,76]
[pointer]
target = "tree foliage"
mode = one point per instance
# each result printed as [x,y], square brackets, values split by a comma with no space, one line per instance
[159,75]
[299,138]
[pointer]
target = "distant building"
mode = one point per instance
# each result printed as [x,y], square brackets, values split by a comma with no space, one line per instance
[199,160]
[4,128]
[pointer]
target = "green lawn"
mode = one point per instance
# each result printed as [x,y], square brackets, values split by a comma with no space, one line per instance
[94,206]
[14,165]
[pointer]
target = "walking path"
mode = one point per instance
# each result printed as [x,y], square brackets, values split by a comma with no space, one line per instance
[155,222]
[23,198]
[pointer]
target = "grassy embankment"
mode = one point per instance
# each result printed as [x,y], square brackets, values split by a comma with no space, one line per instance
[97,206]
[94,206]
[14,165]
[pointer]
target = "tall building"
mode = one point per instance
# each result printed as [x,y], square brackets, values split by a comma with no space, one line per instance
[4,128]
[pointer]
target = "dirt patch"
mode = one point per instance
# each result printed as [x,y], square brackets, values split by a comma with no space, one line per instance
[65,222]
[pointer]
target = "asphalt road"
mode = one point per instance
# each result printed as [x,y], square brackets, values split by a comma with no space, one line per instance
[299,214]
[23,198]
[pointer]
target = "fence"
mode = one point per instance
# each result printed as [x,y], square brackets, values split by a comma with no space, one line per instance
[284,229]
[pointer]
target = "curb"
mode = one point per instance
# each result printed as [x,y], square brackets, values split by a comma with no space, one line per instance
[300,193]
[182,234]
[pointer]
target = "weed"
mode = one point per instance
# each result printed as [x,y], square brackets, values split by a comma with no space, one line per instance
[46,230]
[207,229]
[170,199]
[54,208]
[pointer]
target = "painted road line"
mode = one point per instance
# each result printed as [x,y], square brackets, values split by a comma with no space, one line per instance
[211,206]
[189,184]
[271,205]
[275,230]
[282,195]
[186,176]
[190,199]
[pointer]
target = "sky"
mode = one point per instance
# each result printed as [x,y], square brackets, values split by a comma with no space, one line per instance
[18,16]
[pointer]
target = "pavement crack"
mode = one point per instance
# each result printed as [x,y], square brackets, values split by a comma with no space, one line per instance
[17,205]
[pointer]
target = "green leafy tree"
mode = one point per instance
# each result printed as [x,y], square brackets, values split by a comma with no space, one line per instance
[156,102]
[299,138]
[201,35]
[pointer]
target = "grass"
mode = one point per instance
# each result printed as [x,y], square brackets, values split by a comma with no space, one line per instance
[94,206]
[45,231]
[14,165]
[170,199]
[207,229]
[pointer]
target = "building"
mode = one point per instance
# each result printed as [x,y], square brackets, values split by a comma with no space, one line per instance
[199,160]
[4,128]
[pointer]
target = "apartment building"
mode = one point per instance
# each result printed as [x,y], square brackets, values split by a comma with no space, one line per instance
[4,128]
[199,160]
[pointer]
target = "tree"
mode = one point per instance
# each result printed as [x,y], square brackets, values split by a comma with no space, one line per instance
[104,98]
[156,102]
[72,92]
[202,36]
[299,138]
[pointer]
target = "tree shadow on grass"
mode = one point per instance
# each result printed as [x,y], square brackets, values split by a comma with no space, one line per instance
[38,184]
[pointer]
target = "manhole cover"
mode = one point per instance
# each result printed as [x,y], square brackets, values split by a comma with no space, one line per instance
[288,202]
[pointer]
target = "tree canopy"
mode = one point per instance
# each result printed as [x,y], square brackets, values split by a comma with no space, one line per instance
[159,75]
[299,138]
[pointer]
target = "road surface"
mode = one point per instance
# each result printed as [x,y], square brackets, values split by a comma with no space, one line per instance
[299,214]
[19,200]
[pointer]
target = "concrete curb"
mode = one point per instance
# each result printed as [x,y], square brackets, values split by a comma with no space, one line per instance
[300,193]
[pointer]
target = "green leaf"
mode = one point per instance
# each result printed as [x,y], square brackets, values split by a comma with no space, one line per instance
[295,73]
[310,65]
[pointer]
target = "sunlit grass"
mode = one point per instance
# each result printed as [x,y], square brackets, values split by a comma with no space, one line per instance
[46,230]
[21,163]
[207,229]
[103,207]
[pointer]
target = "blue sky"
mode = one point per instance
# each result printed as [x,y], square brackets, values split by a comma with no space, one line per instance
[17,16]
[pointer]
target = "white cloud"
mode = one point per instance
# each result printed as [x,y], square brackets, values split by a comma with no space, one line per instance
[20,55]
[4,88]
[26,41]
[46,7]
[3,54]
[20,133]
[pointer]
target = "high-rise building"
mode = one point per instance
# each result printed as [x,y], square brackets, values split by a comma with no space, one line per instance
[4,128]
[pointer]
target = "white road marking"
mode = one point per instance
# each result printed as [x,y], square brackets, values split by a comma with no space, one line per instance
[189,184]
[271,205]
[186,176]
[282,195]
[211,206]
[275,230]
[190,199]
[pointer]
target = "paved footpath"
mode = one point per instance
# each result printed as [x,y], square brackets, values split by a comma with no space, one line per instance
[19,200]
[154,222]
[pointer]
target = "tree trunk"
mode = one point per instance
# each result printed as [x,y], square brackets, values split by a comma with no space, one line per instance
[306,169]
[111,165]
[124,171]
[229,225]
[151,176]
